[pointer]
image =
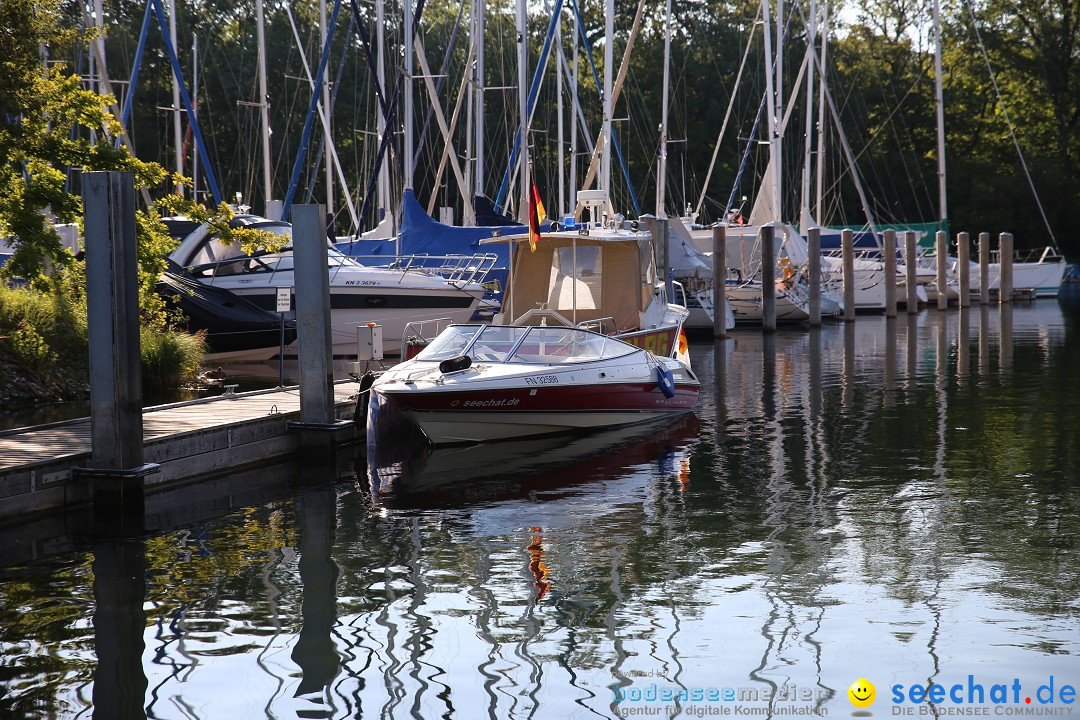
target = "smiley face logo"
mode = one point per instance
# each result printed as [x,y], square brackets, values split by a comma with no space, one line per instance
[862,693]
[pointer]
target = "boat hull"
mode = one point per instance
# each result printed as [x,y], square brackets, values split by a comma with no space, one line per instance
[480,415]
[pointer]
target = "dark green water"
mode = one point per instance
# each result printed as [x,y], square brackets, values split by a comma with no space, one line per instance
[895,501]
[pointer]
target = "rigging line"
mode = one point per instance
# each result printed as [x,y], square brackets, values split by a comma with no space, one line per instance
[325,137]
[1008,121]
[447,56]
[388,133]
[757,122]
[365,43]
[727,116]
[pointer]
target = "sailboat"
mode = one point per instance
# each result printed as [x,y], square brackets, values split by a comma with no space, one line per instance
[690,268]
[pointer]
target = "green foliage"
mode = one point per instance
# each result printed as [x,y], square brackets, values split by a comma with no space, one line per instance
[170,359]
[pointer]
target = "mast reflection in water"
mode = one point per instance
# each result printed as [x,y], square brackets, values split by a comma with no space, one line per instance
[893,500]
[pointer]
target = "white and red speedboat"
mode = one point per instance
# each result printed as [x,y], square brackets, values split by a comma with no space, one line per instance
[586,338]
[492,382]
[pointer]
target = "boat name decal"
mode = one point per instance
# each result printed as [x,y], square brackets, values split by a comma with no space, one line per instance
[504,402]
[542,380]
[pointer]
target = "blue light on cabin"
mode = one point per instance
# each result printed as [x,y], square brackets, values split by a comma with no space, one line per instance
[569,223]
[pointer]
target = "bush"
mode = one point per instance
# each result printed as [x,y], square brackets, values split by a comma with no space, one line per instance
[170,359]
[44,348]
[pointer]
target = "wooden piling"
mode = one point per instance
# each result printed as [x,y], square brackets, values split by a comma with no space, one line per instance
[719,290]
[847,244]
[813,249]
[963,270]
[768,278]
[910,269]
[984,268]
[941,264]
[889,252]
[1005,274]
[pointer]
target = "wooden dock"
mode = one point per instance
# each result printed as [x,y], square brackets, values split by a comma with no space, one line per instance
[188,440]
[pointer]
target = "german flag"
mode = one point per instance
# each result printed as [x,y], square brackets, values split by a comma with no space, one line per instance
[537,214]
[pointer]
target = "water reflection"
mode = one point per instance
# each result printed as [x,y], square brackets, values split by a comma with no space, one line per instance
[889,499]
[119,623]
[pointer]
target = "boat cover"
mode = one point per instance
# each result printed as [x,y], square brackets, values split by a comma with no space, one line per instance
[231,323]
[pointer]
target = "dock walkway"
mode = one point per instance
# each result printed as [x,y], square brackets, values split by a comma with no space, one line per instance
[188,439]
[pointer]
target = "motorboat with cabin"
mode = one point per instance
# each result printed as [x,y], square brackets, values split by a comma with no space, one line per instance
[359,294]
[586,339]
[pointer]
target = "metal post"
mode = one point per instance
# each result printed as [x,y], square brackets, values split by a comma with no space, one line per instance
[984,268]
[889,253]
[963,261]
[112,295]
[719,293]
[1005,253]
[313,315]
[281,353]
[768,278]
[662,230]
[847,244]
[813,251]
[909,267]
[941,263]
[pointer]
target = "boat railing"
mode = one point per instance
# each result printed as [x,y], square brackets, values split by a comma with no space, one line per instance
[603,326]
[1033,255]
[418,334]
[461,269]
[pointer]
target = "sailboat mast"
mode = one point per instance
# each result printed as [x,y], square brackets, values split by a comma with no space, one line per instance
[939,101]
[383,183]
[573,125]
[523,59]
[408,108]
[328,157]
[479,127]
[808,140]
[178,137]
[661,170]
[195,109]
[778,138]
[820,169]
[264,106]
[609,62]
[770,106]
[559,109]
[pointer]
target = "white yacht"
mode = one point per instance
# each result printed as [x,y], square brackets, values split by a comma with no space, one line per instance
[358,294]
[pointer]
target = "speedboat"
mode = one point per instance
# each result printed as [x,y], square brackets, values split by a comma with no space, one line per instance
[358,294]
[586,338]
[475,383]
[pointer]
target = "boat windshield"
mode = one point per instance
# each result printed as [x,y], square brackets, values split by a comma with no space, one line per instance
[547,345]
[451,342]
[561,345]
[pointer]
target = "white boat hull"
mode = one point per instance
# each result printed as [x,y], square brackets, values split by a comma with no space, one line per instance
[746,303]
[1042,277]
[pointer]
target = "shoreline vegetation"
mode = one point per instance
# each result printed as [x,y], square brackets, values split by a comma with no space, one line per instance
[44,350]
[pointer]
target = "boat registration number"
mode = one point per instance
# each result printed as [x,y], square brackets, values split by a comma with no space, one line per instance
[542,380]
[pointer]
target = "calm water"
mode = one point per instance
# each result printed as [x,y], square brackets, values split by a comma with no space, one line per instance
[898,502]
